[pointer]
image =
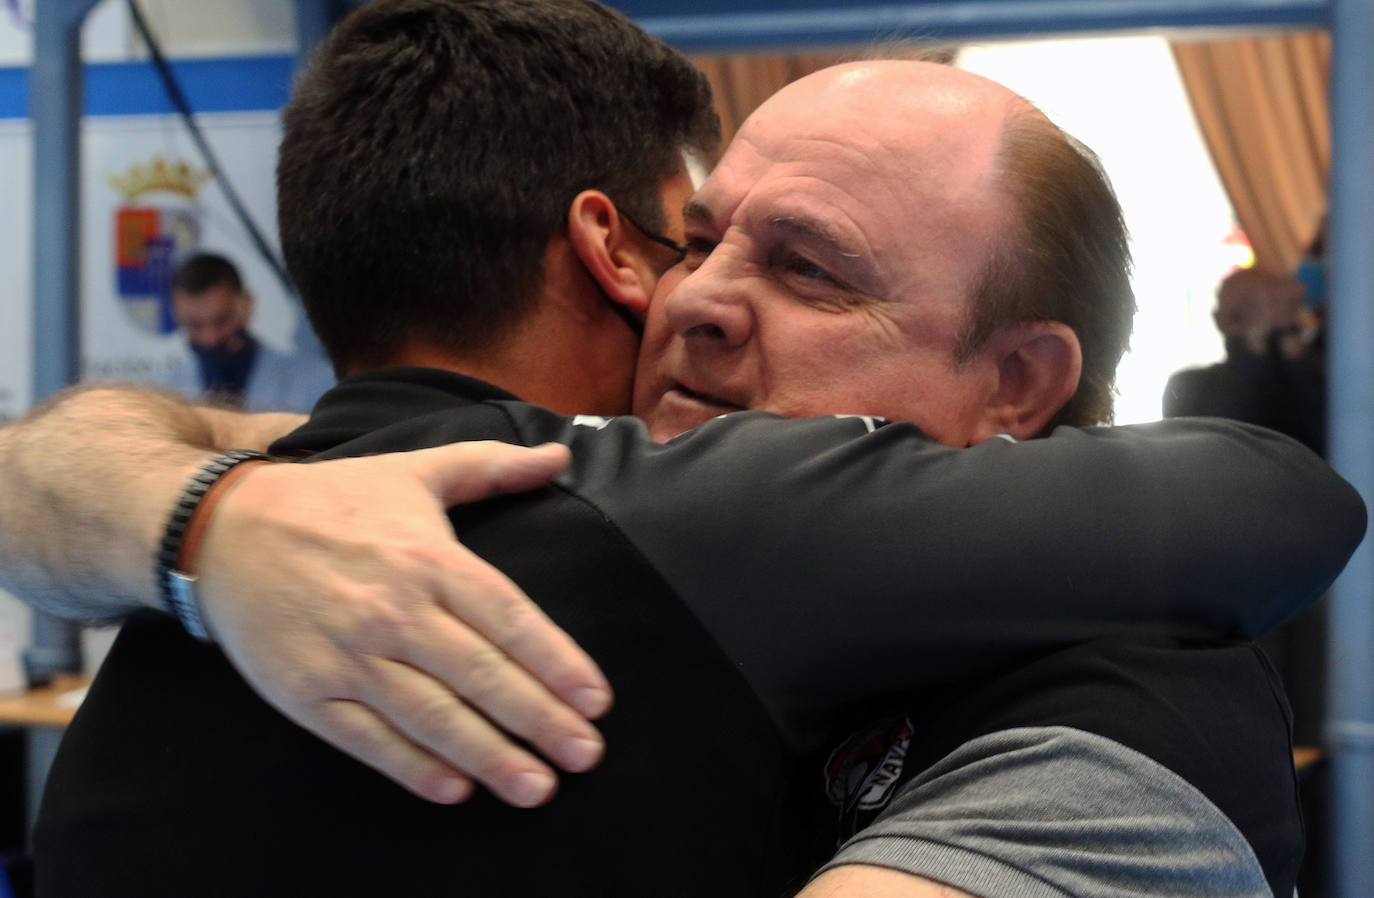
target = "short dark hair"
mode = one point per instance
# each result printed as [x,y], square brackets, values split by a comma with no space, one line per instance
[433,147]
[1065,257]
[202,271]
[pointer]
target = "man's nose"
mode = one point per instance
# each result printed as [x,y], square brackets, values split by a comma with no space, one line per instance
[709,309]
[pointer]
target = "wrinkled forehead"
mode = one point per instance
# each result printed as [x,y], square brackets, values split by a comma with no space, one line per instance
[905,165]
[928,125]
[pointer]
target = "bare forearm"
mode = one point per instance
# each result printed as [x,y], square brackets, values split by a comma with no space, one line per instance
[86,482]
[876,882]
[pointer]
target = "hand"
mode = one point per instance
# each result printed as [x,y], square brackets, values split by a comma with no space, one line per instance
[339,592]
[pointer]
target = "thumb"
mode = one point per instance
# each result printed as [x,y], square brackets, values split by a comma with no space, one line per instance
[467,472]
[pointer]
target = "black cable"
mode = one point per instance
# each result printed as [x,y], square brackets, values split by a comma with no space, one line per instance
[178,98]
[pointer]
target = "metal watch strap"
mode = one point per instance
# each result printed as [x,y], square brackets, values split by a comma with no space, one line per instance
[178,595]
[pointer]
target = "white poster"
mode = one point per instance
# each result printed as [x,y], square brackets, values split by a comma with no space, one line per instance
[149,202]
[143,171]
[146,202]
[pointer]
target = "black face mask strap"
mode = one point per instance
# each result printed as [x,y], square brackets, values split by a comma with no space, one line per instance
[658,238]
[631,321]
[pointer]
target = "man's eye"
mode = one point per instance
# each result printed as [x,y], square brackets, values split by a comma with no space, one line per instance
[803,267]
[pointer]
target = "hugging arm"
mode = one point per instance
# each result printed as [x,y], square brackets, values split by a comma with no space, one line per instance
[365,647]
[877,882]
[883,543]
[797,542]
[86,483]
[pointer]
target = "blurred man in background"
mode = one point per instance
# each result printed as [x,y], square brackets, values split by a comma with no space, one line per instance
[228,364]
[1274,375]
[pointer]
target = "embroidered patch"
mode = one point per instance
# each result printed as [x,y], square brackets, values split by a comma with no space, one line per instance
[864,771]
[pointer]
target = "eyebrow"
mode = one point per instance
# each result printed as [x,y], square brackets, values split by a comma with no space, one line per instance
[696,211]
[818,231]
[856,267]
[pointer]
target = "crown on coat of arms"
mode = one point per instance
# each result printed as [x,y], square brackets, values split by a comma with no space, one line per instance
[160,175]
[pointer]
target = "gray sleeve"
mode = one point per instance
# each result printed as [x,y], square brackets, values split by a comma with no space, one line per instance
[833,559]
[1055,812]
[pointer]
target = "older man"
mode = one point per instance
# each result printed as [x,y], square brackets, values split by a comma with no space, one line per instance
[718,659]
[806,265]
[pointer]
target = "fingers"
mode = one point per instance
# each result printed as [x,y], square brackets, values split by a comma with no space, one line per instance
[493,683]
[377,575]
[442,726]
[467,472]
[485,600]
[360,733]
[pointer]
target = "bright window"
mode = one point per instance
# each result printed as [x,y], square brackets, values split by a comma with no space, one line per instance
[1123,97]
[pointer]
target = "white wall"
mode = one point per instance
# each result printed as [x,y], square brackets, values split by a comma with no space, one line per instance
[219,27]
[14,636]
[113,345]
[16,266]
[184,28]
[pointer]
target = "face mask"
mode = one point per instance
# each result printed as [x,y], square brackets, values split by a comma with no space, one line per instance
[1312,273]
[224,371]
[219,354]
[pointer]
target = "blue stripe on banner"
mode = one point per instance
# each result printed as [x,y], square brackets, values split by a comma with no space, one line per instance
[14,93]
[240,84]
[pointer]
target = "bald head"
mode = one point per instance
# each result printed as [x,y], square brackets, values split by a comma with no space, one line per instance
[860,248]
[1050,239]
[905,95]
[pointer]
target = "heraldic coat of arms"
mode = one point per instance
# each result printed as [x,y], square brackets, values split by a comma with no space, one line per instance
[156,226]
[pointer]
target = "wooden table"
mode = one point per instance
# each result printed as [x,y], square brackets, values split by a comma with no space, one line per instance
[50,706]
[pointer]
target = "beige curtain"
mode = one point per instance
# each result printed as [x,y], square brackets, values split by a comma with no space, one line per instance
[1262,105]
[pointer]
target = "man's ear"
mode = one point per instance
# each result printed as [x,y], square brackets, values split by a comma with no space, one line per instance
[609,252]
[1038,367]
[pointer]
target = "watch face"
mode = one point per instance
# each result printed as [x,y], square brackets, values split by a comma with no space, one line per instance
[181,590]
